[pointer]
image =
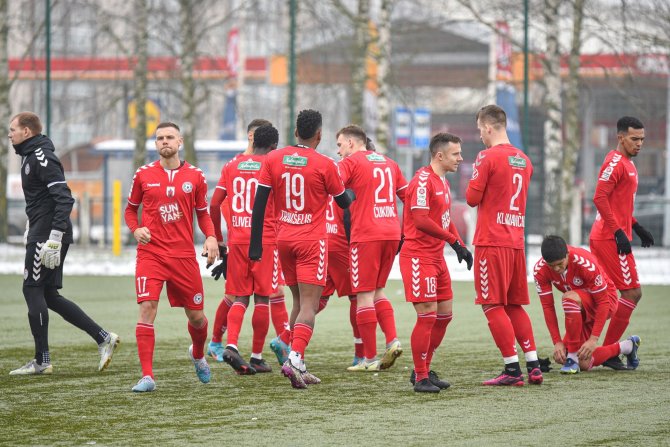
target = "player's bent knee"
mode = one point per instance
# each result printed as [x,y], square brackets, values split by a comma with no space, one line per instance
[572,296]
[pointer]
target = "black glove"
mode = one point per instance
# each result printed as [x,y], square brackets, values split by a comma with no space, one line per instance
[222,267]
[622,242]
[463,254]
[255,253]
[644,235]
[545,365]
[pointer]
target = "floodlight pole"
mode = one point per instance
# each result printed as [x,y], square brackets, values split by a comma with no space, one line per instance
[47,27]
[525,75]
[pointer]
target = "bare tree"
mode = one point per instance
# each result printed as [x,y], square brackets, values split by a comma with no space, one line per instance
[187,57]
[5,107]
[384,52]
[141,8]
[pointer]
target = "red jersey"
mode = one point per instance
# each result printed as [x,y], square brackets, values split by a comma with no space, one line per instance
[239,180]
[301,179]
[376,180]
[614,197]
[168,198]
[502,174]
[584,273]
[337,237]
[426,191]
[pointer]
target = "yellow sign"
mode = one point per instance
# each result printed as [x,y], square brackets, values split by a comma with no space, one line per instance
[153,116]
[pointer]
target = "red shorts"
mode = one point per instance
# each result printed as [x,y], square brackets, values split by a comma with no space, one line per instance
[426,280]
[182,276]
[620,268]
[500,276]
[338,274]
[246,277]
[304,261]
[371,263]
[589,313]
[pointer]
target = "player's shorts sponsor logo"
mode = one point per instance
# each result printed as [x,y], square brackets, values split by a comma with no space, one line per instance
[170,213]
[249,165]
[187,187]
[27,170]
[516,161]
[197,298]
[598,281]
[170,191]
[375,158]
[294,160]
[577,281]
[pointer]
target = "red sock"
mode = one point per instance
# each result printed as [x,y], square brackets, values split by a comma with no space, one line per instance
[358,343]
[235,319]
[502,330]
[366,319]
[278,314]
[619,321]
[420,341]
[603,353]
[301,336]
[285,336]
[146,339]
[199,337]
[260,321]
[220,320]
[573,325]
[437,335]
[323,302]
[523,329]
[386,318]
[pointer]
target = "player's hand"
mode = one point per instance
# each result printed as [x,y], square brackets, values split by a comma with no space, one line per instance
[559,353]
[50,251]
[644,235]
[255,254]
[463,254]
[222,267]
[142,235]
[211,250]
[586,351]
[402,241]
[622,243]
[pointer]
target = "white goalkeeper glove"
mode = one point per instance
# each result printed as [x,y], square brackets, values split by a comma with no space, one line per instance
[50,251]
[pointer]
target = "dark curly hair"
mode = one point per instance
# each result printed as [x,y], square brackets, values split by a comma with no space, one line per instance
[266,137]
[626,122]
[308,123]
[553,248]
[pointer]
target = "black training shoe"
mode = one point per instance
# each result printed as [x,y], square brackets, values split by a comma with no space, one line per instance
[260,366]
[616,364]
[434,379]
[235,360]
[424,386]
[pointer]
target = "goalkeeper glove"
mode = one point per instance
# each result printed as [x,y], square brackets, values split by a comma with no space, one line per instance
[644,235]
[545,365]
[622,242]
[222,267]
[463,254]
[50,250]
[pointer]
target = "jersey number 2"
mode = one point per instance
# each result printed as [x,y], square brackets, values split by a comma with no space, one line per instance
[518,181]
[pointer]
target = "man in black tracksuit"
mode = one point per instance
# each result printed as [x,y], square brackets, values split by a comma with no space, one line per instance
[48,206]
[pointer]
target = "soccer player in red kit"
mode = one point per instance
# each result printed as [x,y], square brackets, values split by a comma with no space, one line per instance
[170,191]
[239,179]
[589,299]
[611,232]
[301,180]
[375,232]
[427,225]
[278,313]
[499,187]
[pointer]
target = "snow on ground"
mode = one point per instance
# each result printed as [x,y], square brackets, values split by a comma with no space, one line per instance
[653,264]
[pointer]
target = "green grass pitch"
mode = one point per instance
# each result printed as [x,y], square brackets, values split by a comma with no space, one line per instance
[79,406]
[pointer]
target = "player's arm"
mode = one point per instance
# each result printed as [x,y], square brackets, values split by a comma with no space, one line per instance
[401,185]
[473,196]
[546,294]
[257,217]
[344,199]
[601,199]
[477,184]
[211,247]
[645,235]
[215,210]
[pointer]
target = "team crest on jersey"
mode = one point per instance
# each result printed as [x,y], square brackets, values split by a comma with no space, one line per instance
[516,161]
[249,165]
[294,160]
[187,187]
[374,157]
[598,281]
[27,170]
[170,213]
[197,298]
[577,281]
[170,191]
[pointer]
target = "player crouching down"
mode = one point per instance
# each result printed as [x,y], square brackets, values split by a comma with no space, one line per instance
[589,299]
